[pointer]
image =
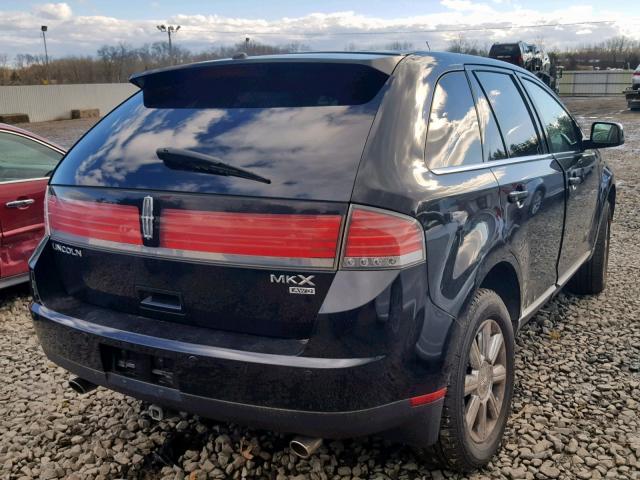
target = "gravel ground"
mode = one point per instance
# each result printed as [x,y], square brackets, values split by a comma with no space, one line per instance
[62,132]
[576,411]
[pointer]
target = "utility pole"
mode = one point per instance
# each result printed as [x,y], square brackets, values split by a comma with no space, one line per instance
[43,28]
[246,45]
[170,30]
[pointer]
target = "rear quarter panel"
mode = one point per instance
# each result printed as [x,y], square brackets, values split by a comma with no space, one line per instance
[460,212]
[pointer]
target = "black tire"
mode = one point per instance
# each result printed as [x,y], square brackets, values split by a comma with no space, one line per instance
[591,277]
[456,449]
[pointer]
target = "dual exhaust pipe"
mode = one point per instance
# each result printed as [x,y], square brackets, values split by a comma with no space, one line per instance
[303,447]
[81,386]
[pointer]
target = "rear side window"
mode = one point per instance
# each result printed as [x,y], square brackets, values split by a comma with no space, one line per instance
[22,158]
[512,114]
[562,132]
[262,85]
[453,136]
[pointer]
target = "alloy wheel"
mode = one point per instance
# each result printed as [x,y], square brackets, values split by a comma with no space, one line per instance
[485,381]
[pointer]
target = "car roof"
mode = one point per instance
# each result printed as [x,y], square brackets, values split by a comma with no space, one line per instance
[13,129]
[452,59]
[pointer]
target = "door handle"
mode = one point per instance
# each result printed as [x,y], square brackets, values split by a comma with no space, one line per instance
[573,181]
[517,196]
[20,203]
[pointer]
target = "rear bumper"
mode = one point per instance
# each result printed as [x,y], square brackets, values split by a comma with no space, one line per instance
[202,371]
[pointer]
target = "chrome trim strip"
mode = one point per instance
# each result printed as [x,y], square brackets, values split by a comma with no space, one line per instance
[528,312]
[15,280]
[189,255]
[536,304]
[198,349]
[573,269]
[23,180]
[495,163]
[48,145]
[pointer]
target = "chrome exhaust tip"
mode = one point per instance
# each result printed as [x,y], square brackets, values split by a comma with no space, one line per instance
[81,386]
[304,447]
[156,412]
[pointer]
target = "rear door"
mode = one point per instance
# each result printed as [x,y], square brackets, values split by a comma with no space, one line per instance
[582,179]
[24,166]
[531,183]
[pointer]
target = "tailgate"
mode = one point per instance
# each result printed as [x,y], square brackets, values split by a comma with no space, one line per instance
[257,266]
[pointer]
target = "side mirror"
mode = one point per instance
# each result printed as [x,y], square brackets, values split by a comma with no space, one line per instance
[605,134]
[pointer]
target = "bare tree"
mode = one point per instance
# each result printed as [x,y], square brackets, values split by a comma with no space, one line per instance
[460,44]
[4,71]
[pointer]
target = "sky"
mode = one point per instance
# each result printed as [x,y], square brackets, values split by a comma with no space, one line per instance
[80,27]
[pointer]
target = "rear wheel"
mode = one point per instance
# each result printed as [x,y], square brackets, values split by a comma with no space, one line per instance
[479,395]
[591,277]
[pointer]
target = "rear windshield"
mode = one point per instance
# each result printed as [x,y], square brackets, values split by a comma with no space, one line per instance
[263,85]
[304,151]
[505,49]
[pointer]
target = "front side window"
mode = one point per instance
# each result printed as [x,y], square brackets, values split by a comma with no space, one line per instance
[22,158]
[511,113]
[562,132]
[453,136]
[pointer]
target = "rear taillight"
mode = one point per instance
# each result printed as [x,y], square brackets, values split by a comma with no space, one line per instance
[378,239]
[373,238]
[636,74]
[294,236]
[520,61]
[89,220]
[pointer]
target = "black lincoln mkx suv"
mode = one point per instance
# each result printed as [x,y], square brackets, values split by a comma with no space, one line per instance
[326,244]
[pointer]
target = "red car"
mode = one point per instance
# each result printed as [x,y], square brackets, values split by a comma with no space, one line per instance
[26,161]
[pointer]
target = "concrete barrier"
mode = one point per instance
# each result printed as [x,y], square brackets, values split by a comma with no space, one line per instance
[55,102]
[590,83]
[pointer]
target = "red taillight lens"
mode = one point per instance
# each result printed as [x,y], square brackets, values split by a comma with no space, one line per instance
[636,74]
[520,60]
[257,234]
[94,220]
[377,239]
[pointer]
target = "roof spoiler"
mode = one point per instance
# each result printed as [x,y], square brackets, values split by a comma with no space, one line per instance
[383,61]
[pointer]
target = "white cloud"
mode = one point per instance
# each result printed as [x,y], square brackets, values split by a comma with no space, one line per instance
[465,6]
[54,11]
[81,35]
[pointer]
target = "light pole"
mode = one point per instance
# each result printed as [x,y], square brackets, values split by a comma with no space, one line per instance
[246,45]
[43,28]
[170,30]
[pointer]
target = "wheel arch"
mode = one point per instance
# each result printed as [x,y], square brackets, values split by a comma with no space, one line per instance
[502,276]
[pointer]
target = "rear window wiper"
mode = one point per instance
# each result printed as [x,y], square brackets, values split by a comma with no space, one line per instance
[180,159]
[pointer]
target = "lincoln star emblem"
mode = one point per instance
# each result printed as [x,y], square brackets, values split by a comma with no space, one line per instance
[147,218]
